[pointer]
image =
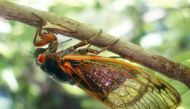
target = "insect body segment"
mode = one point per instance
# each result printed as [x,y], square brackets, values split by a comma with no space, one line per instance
[118,84]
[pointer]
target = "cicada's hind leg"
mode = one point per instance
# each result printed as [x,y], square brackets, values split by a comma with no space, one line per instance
[74,48]
[86,42]
[88,49]
[93,51]
[106,47]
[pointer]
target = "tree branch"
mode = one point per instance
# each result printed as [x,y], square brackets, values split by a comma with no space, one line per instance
[80,31]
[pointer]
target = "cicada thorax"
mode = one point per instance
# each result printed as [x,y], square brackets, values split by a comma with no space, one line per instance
[119,84]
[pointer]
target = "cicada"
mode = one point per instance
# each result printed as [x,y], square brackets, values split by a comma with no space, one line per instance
[114,82]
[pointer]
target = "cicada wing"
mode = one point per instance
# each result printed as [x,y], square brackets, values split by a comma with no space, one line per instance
[121,86]
[144,93]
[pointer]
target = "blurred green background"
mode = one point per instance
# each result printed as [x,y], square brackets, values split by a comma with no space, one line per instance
[160,26]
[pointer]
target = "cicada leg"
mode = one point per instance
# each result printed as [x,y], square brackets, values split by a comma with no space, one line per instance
[86,42]
[88,49]
[93,51]
[44,39]
[41,38]
[73,49]
[106,47]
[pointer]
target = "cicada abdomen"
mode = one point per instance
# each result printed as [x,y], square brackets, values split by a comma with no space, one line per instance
[119,84]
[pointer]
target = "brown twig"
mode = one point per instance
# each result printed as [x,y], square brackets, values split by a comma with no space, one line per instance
[80,31]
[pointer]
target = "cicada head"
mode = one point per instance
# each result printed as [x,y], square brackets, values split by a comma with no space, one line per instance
[39,55]
[48,62]
[38,51]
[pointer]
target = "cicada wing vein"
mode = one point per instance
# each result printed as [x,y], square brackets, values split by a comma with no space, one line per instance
[123,86]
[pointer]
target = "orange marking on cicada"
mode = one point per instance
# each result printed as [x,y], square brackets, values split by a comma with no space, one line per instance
[98,58]
[80,75]
[67,68]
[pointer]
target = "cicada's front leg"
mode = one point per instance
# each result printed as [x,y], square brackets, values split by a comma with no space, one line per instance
[43,38]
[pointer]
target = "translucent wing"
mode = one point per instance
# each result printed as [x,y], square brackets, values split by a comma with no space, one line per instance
[124,86]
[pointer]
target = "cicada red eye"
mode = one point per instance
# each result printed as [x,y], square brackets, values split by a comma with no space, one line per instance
[41,58]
